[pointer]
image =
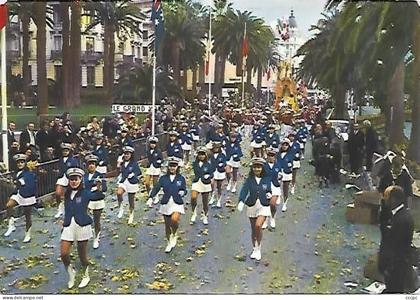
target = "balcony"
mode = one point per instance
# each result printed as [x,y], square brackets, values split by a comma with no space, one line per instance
[56,54]
[128,59]
[91,57]
[13,55]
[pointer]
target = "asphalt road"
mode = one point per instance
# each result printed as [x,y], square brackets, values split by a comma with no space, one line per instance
[312,250]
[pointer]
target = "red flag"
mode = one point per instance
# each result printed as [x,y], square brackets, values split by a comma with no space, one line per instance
[3,13]
[245,50]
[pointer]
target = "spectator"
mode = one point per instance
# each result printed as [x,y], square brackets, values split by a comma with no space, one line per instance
[11,133]
[356,144]
[27,137]
[43,139]
[371,141]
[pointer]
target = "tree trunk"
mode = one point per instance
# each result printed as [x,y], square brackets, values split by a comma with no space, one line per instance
[107,57]
[175,55]
[202,76]
[414,147]
[67,77]
[111,67]
[248,78]
[194,81]
[41,58]
[395,97]
[75,52]
[184,82]
[259,82]
[222,73]
[340,98]
[25,51]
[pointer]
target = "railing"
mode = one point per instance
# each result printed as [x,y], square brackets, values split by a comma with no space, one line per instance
[91,56]
[47,172]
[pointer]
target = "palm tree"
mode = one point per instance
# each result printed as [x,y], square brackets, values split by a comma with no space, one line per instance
[75,51]
[136,85]
[117,18]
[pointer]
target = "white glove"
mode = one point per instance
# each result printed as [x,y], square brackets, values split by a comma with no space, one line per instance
[181,193]
[240,206]
[207,176]
[220,164]
[131,175]
[235,155]
[280,176]
[159,161]
[22,182]
[94,189]
[268,195]
[149,202]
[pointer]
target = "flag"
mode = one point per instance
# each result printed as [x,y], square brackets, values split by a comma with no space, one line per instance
[3,14]
[268,74]
[158,20]
[208,64]
[245,49]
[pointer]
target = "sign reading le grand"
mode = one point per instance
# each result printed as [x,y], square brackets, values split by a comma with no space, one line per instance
[128,108]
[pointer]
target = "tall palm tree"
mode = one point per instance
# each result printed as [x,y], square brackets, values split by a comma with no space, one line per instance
[75,51]
[117,18]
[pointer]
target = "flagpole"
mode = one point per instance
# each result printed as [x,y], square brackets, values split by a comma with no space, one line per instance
[243,75]
[4,98]
[209,55]
[154,94]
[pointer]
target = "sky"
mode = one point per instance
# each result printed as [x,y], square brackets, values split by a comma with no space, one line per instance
[307,12]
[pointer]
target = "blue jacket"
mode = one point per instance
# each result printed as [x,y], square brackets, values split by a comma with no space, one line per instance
[295,147]
[64,166]
[185,138]
[195,130]
[251,191]
[102,154]
[273,173]
[233,151]
[155,158]
[302,134]
[90,185]
[218,163]
[174,149]
[286,163]
[126,142]
[199,172]
[132,168]
[217,137]
[77,208]
[25,183]
[170,188]
[258,135]
[273,140]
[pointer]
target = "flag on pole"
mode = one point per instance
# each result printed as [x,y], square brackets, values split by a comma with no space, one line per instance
[3,13]
[268,74]
[207,64]
[245,49]
[158,20]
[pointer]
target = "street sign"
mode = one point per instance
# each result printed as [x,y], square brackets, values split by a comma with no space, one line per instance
[131,108]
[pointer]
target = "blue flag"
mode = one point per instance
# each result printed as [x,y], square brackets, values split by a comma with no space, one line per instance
[157,19]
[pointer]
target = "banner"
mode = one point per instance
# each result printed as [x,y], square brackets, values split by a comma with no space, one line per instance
[130,108]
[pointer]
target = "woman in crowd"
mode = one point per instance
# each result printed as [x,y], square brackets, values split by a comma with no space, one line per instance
[233,158]
[218,161]
[171,205]
[102,153]
[154,163]
[186,142]
[285,160]
[273,170]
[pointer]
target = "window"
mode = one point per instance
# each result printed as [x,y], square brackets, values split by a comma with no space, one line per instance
[145,51]
[91,75]
[145,35]
[132,51]
[57,43]
[138,52]
[56,15]
[90,44]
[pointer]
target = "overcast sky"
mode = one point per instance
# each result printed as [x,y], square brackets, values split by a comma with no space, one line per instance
[307,12]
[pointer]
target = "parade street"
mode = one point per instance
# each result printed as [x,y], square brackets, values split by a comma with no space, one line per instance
[312,250]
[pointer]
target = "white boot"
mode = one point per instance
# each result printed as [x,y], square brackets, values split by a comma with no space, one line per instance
[284,208]
[219,202]
[85,279]
[120,212]
[228,186]
[272,222]
[258,252]
[212,199]
[27,238]
[131,218]
[72,276]
[156,199]
[11,227]
[254,249]
[96,241]
[292,189]
[205,219]
[194,216]
[60,210]
[169,245]
[173,240]
[234,188]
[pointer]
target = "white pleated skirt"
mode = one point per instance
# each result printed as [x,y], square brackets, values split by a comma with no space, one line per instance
[98,204]
[287,177]
[171,207]
[186,147]
[23,201]
[219,175]
[128,187]
[200,187]
[74,232]
[152,171]
[196,138]
[275,191]
[233,164]
[296,164]
[258,210]
[102,169]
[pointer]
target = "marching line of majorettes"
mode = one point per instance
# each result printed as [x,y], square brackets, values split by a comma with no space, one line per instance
[81,186]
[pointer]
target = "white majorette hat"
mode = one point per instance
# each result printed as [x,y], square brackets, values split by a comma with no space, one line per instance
[153,139]
[66,146]
[173,160]
[286,141]
[258,161]
[173,132]
[128,149]
[75,172]
[91,157]
[202,150]
[271,150]
[20,156]
[185,124]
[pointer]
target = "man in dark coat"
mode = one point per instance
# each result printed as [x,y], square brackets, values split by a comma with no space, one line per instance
[11,134]
[43,139]
[371,142]
[397,268]
[356,144]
